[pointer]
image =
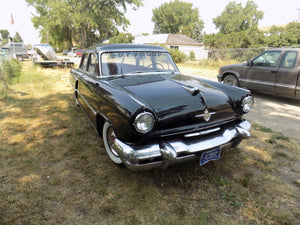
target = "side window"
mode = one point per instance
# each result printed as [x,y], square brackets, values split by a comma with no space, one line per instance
[83,63]
[93,66]
[288,59]
[267,59]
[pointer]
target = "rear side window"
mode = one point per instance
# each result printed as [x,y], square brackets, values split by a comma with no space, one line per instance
[288,59]
[93,66]
[83,63]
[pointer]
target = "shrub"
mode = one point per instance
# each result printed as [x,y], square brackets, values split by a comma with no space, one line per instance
[192,56]
[10,71]
[178,56]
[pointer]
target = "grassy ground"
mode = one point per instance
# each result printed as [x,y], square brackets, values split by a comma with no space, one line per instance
[195,69]
[54,170]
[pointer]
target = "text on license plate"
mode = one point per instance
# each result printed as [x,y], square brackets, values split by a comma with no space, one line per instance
[210,155]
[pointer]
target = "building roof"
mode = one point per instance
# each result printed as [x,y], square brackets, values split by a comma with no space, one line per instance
[168,39]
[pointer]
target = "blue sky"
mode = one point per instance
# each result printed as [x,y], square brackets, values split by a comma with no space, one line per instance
[275,13]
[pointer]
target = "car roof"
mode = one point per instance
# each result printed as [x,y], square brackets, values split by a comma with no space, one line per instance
[284,49]
[126,47]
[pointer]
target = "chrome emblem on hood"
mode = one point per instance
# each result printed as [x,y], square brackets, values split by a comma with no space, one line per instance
[206,115]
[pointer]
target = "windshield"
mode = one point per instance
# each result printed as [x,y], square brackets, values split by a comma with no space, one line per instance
[119,63]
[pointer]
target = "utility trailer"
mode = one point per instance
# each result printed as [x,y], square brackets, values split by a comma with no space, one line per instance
[44,55]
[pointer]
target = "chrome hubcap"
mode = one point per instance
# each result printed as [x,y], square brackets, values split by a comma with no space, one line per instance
[111,137]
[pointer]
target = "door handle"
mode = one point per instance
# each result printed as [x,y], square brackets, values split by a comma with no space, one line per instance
[273,71]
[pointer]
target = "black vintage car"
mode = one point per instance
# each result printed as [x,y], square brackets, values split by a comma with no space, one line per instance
[275,71]
[149,115]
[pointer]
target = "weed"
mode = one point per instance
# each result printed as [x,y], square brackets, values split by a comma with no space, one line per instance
[275,137]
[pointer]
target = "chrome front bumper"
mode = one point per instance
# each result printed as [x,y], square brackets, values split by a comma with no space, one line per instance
[170,152]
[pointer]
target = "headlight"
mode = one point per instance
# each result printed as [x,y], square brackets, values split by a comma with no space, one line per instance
[144,122]
[247,104]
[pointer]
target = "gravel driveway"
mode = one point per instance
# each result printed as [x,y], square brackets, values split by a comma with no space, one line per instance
[280,114]
[277,113]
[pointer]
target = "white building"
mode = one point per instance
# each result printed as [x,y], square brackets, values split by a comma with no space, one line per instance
[181,42]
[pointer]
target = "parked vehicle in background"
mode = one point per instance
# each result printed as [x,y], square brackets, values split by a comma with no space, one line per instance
[72,52]
[79,52]
[4,54]
[275,71]
[45,56]
[149,114]
[65,52]
[17,50]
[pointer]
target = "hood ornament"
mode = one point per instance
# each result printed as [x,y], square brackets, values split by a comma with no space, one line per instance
[206,115]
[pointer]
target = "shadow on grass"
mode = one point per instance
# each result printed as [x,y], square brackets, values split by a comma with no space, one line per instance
[54,169]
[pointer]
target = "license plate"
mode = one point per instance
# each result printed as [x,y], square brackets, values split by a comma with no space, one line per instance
[210,155]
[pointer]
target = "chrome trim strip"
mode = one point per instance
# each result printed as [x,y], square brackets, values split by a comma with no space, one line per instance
[201,115]
[92,109]
[203,132]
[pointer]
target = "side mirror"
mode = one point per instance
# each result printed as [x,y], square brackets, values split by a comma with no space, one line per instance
[250,63]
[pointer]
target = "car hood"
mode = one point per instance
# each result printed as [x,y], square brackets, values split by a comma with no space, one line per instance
[233,66]
[177,101]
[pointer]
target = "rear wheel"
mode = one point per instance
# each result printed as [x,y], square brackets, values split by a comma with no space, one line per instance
[108,139]
[231,80]
[19,57]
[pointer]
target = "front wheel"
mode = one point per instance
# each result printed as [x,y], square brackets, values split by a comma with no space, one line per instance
[108,139]
[231,80]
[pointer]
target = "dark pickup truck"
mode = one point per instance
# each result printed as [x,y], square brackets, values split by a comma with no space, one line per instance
[274,71]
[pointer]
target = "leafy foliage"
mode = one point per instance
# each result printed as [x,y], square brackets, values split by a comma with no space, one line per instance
[178,17]
[121,38]
[178,56]
[10,71]
[83,22]
[279,36]
[4,34]
[18,38]
[238,28]
[4,37]
[236,18]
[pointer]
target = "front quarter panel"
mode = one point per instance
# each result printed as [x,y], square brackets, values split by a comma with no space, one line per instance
[236,94]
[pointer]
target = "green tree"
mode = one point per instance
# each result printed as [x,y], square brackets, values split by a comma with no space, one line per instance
[121,38]
[18,38]
[64,23]
[177,17]
[279,36]
[238,27]
[4,36]
[237,18]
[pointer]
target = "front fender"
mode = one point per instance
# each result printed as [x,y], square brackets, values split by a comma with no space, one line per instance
[227,72]
[120,109]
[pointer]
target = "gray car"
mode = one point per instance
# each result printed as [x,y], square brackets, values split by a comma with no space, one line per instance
[17,50]
[274,71]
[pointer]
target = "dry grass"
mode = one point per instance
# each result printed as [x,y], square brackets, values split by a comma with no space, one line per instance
[53,170]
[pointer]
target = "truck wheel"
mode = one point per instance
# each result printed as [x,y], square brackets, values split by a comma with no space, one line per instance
[19,57]
[108,138]
[231,80]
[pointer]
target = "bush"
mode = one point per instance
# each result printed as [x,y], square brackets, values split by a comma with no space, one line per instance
[192,56]
[178,56]
[10,71]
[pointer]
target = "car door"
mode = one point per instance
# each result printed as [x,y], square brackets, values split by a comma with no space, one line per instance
[88,87]
[287,74]
[262,72]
